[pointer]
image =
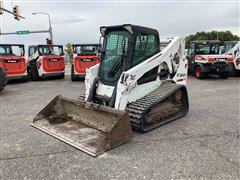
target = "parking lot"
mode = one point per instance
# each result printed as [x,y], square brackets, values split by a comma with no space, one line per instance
[202,145]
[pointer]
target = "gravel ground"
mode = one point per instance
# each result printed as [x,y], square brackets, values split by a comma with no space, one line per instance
[202,145]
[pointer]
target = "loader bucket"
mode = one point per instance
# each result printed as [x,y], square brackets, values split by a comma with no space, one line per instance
[89,127]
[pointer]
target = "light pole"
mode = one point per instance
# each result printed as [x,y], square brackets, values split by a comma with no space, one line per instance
[49,21]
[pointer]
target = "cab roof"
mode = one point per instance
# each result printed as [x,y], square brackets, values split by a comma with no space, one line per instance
[45,45]
[231,41]
[11,44]
[205,41]
[87,44]
[133,29]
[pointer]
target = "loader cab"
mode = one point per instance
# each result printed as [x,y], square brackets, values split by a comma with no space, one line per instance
[208,47]
[203,48]
[12,50]
[12,60]
[86,49]
[46,50]
[50,50]
[228,45]
[124,47]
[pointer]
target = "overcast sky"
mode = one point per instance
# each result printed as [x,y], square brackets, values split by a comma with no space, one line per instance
[78,22]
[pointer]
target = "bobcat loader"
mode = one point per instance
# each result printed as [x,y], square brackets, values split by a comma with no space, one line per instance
[46,61]
[204,59]
[135,85]
[13,62]
[84,56]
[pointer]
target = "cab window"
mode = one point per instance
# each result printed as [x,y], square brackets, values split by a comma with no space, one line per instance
[145,46]
[191,50]
[5,50]
[31,51]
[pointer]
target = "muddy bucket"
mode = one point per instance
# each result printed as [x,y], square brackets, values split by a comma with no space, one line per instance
[89,127]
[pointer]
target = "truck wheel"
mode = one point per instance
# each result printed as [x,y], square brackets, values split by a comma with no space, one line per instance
[34,72]
[224,75]
[198,73]
[73,77]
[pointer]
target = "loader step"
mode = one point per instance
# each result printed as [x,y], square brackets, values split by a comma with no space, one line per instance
[165,104]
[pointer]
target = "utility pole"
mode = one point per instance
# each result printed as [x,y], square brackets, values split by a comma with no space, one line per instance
[50,24]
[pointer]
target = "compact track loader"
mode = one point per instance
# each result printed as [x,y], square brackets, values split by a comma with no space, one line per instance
[134,86]
[13,62]
[46,61]
[84,57]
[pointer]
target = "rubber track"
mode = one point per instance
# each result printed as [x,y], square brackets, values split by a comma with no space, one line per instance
[138,109]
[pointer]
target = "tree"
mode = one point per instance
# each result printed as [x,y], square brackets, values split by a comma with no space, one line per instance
[213,35]
[69,51]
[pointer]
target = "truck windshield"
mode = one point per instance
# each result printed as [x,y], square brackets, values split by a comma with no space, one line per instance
[86,49]
[113,56]
[51,50]
[207,48]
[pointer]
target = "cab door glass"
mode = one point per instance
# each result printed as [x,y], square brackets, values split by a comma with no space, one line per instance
[151,45]
[145,46]
[5,50]
[56,51]
[17,51]
[191,53]
[190,50]
[31,51]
